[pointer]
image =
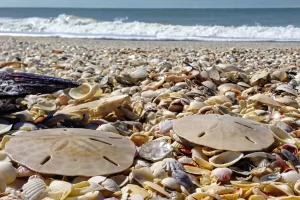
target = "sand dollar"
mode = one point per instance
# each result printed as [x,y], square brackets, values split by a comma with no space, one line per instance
[72,152]
[224,132]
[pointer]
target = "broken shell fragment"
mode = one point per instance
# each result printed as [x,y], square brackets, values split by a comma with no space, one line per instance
[281,135]
[155,150]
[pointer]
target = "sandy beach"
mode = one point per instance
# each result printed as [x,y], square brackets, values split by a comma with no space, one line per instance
[99,43]
[148,119]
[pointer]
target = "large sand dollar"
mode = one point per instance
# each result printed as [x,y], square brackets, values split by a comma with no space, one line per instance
[72,152]
[224,132]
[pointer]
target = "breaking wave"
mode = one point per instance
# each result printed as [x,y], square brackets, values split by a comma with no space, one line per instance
[76,27]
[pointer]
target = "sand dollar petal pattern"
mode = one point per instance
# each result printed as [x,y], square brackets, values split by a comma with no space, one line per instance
[72,152]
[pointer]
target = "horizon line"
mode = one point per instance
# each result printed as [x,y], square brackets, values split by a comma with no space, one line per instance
[152,8]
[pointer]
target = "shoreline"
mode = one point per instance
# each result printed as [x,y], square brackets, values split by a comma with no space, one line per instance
[149,44]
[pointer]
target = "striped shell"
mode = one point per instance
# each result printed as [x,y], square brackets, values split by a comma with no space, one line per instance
[34,189]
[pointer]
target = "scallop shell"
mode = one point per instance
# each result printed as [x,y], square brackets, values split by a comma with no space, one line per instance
[59,189]
[155,150]
[171,164]
[183,179]
[200,158]
[85,92]
[226,158]
[34,189]
[8,171]
[281,135]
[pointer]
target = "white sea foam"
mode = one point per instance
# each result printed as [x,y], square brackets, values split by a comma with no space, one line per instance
[76,27]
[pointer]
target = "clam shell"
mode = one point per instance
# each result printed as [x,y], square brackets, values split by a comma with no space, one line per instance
[143,174]
[8,171]
[264,99]
[281,135]
[278,189]
[59,189]
[287,88]
[226,158]
[270,177]
[34,189]
[85,92]
[155,150]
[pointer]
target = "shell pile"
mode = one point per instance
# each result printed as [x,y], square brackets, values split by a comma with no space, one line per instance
[153,124]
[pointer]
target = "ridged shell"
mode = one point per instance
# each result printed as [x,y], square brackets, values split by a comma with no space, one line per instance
[59,190]
[171,164]
[24,172]
[226,158]
[8,171]
[34,189]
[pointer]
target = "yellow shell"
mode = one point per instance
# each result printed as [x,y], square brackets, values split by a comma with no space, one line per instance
[211,152]
[143,174]
[88,196]
[277,189]
[256,197]
[46,105]
[84,187]
[135,189]
[59,190]
[201,196]
[196,170]
[200,158]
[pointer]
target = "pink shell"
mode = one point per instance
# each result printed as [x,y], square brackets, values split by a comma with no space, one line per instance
[24,172]
[223,174]
[292,148]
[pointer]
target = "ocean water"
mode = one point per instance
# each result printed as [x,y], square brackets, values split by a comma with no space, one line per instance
[154,24]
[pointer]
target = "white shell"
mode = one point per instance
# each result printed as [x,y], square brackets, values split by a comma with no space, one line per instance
[297,187]
[290,177]
[85,92]
[170,183]
[281,135]
[226,158]
[34,189]
[5,126]
[8,171]
[108,128]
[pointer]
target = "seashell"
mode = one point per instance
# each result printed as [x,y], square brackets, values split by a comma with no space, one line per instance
[187,161]
[278,189]
[165,126]
[155,150]
[110,187]
[8,171]
[157,188]
[281,135]
[264,99]
[183,179]
[3,156]
[226,158]
[121,180]
[46,106]
[256,197]
[4,126]
[84,187]
[297,187]
[171,164]
[139,139]
[209,84]
[195,106]
[217,100]
[222,174]
[170,183]
[200,158]
[34,189]
[143,174]
[59,189]
[279,75]
[213,73]
[196,170]
[108,128]
[210,151]
[202,195]
[270,177]
[287,88]
[291,157]
[85,92]
[291,148]
[135,189]
[26,126]
[290,177]
[24,172]
[228,87]
[2,183]
[88,196]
